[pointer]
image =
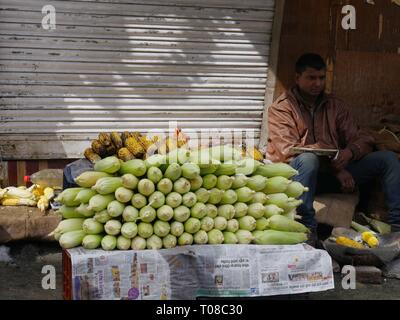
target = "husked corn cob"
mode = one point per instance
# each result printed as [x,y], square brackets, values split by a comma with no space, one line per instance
[135,147]
[136,134]
[124,136]
[146,142]
[370,238]
[125,155]
[43,203]
[254,153]
[91,155]
[18,202]
[347,242]
[104,139]
[99,148]
[37,191]
[116,139]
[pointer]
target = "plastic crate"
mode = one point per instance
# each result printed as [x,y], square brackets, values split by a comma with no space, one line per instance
[67,275]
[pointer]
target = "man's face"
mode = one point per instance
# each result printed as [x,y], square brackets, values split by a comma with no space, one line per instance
[312,81]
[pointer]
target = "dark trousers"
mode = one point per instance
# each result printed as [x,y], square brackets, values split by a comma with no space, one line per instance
[382,165]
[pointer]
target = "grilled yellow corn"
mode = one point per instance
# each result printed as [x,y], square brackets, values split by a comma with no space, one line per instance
[135,147]
[99,148]
[91,155]
[104,139]
[125,155]
[116,139]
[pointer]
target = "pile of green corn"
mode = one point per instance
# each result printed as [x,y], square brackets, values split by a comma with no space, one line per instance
[208,196]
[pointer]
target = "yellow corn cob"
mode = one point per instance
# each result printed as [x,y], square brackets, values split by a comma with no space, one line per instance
[136,134]
[104,139]
[116,139]
[146,142]
[373,242]
[124,136]
[255,154]
[125,155]
[344,241]
[370,238]
[366,235]
[181,138]
[37,191]
[99,148]
[43,203]
[13,192]
[135,147]
[91,155]
[18,202]
[48,193]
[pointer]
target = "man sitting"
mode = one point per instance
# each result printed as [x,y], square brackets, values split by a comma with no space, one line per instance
[305,116]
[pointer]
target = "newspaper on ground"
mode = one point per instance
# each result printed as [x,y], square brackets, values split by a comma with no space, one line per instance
[192,272]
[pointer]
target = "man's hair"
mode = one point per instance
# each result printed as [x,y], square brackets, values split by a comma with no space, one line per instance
[310,60]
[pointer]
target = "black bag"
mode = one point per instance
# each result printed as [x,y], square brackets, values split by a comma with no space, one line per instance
[73,170]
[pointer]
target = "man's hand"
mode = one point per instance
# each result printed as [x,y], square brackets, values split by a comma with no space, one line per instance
[342,160]
[346,180]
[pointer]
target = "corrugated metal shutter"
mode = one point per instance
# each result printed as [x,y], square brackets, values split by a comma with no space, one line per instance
[116,65]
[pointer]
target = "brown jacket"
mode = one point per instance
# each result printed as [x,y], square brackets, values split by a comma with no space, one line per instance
[291,124]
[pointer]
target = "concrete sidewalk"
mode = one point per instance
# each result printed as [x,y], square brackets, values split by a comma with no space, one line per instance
[21,278]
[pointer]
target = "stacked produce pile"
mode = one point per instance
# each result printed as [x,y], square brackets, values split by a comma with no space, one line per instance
[132,145]
[208,196]
[135,145]
[35,196]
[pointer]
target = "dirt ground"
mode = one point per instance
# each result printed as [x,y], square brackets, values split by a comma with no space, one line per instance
[21,278]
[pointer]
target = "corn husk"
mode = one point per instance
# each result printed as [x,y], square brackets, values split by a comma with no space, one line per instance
[281,223]
[279,199]
[272,210]
[108,165]
[277,185]
[84,210]
[379,226]
[295,189]
[226,168]
[68,196]
[69,225]
[84,195]
[91,226]
[257,183]
[240,181]
[91,241]
[245,194]
[100,202]
[173,172]
[136,167]
[273,237]
[247,166]
[89,178]
[276,170]
[107,185]
[72,239]
[69,212]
